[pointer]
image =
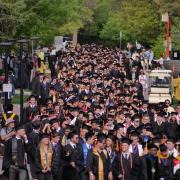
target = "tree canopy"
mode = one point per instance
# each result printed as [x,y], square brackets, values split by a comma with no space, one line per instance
[96,20]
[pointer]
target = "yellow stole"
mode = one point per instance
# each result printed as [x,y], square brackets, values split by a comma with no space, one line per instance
[100,163]
[5,117]
[46,161]
[63,142]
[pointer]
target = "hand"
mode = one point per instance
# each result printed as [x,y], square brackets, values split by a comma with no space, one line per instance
[12,133]
[92,177]
[120,176]
[110,176]
[44,171]
[73,164]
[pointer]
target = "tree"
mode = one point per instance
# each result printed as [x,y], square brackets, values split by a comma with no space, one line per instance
[12,16]
[175,34]
[138,20]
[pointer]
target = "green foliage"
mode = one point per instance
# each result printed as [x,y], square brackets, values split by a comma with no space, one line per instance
[96,20]
[12,16]
[137,20]
[175,34]
[158,47]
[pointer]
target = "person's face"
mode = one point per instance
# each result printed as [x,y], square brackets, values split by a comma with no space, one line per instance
[120,131]
[102,144]
[153,151]
[108,142]
[55,125]
[56,108]
[21,132]
[144,106]
[91,116]
[134,139]
[75,113]
[91,140]
[32,101]
[178,109]
[75,139]
[56,139]
[11,125]
[125,147]
[41,78]
[66,132]
[170,145]
[84,131]
[167,103]
[136,122]
[146,120]
[45,141]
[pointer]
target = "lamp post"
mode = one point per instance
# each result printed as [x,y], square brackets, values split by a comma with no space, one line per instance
[32,41]
[21,43]
[6,46]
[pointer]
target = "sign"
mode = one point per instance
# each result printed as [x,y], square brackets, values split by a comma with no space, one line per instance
[165,17]
[7,87]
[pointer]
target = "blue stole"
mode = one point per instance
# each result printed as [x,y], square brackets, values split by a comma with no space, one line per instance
[85,153]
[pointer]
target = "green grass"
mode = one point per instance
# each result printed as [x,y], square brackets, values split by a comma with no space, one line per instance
[16,99]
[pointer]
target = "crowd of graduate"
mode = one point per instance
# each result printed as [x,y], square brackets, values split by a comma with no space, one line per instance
[90,121]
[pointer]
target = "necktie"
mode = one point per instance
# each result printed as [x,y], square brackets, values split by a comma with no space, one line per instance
[126,156]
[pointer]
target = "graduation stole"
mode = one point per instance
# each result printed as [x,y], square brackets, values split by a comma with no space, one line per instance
[63,142]
[5,116]
[46,158]
[100,163]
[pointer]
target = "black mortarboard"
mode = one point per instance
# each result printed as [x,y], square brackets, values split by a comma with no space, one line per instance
[52,121]
[71,134]
[43,135]
[55,133]
[111,136]
[18,127]
[85,126]
[126,140]
[151,145]
[119,125]
[101,137]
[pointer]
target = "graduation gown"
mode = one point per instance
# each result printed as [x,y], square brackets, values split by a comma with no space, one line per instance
[166,168]
[121,165]
[33,139]
[38,165]
[93,164]
[145,168]
[20,157]
[75,155]
[28,113]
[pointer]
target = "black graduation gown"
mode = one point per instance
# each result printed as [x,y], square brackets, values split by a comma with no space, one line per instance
[21,149]
[157,129]
[28,113]
[93,161]
[122,168]
[33,144]
[142,169]
[75,155]
[38,165]
[166,168]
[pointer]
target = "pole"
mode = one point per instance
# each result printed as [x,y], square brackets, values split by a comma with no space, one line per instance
[6,77]
[120,39]
[168,38]
[32,47]
[21,82]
